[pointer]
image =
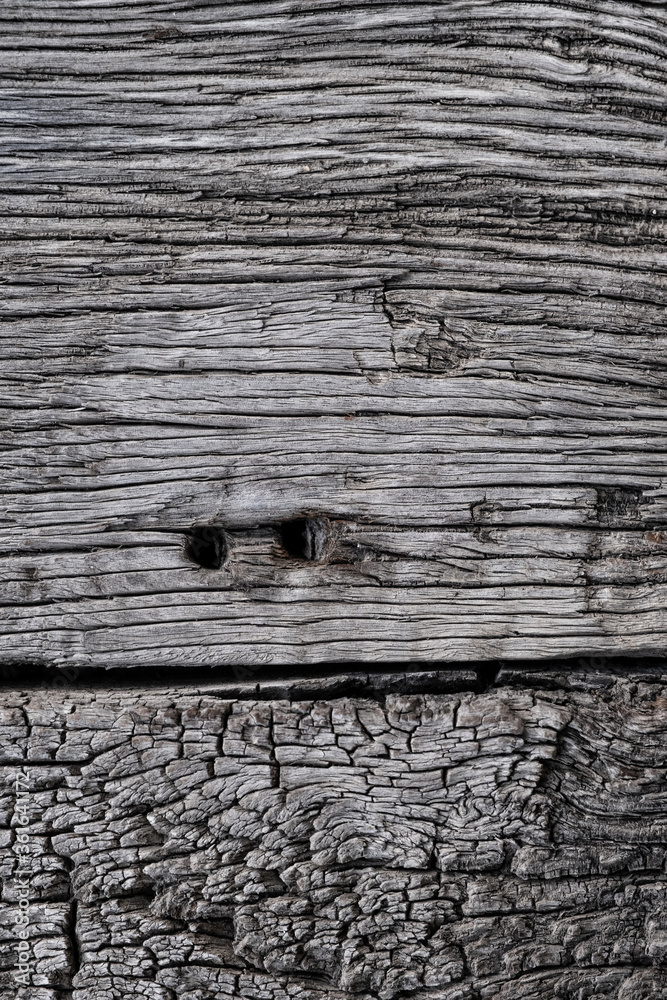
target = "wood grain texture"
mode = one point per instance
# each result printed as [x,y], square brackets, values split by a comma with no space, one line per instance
[187,844]
[397,267]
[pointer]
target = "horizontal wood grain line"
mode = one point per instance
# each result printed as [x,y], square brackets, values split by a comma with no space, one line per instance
[121,517]
[533,40]
[354,555]
[59,280]
[192,642]
[454,333]
[188,398]
[581,209]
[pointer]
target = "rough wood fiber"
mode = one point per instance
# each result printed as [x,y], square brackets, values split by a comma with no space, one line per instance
[501,845]
[397,266]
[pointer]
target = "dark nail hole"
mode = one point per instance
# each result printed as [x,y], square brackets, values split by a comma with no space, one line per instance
[305,538]
[206,546]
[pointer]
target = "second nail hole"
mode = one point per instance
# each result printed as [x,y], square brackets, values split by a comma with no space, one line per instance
[305,537]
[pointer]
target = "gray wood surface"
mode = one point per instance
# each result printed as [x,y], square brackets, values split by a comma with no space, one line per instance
[398,267]
[197,844]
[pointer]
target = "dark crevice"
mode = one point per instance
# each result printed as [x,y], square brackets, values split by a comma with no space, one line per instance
[74,943]
[345,679]
[305,538]
[206,546]
[487,675]
[274,765]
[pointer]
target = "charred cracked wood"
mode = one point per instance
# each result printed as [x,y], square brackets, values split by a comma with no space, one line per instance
[507,844]
[373,295]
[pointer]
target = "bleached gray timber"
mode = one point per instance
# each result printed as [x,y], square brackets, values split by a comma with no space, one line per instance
[193,844]
[398,268]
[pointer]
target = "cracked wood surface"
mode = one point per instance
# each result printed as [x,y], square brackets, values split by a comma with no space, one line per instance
[396,267]
[192,844]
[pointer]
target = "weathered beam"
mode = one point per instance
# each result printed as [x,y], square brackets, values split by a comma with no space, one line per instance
[190,843]
[398,268]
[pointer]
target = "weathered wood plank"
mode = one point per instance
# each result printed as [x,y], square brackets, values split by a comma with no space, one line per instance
[397,267]
[408,594]
[190,843]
